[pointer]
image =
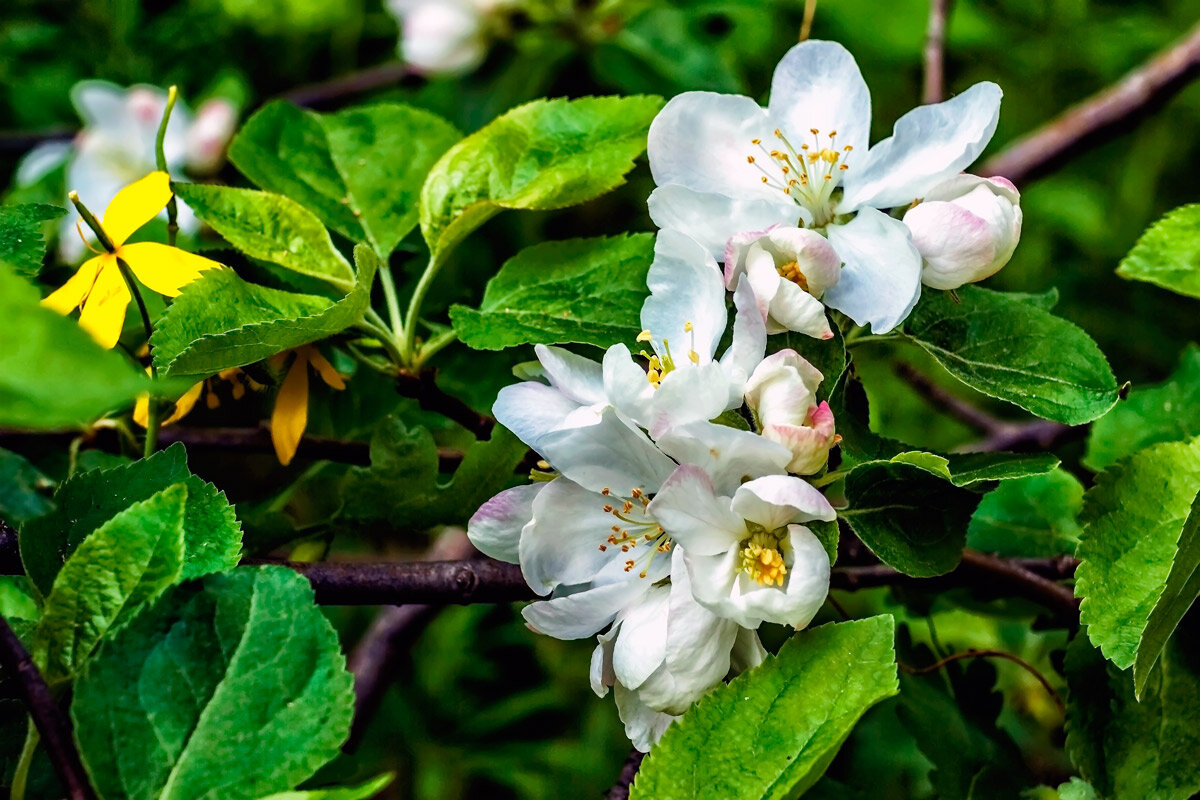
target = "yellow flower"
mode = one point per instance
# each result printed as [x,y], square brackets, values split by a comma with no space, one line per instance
[184,405]
[98,288]
[290,417]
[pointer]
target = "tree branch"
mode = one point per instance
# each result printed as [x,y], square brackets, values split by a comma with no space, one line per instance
[424,389]
[934,90]
[952,404]
[973,653]
[1139,92]
[629,770]
[331,92]
[1038,435]
[52,724]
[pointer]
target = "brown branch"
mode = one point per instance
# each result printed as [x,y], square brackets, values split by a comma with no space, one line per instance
[1139,92]
[424,389]
[332,92]
[973,653]
[52,724]
[390,638]
[629,770]
[952,404]
[1038,435]
[934,90]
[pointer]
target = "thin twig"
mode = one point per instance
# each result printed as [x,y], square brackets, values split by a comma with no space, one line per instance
[389,641]
[950,403]
[810,11]
[1038,435]
[424,389]
[52,724]
[333,92]
[1140,91]
[973,653]
[934,90]
[629,770]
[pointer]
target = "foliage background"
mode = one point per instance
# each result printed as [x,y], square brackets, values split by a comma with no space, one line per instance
[486,709]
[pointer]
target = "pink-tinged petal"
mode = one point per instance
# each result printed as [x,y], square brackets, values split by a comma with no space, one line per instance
[495,529]
[812,252]
[809,443]
[774,501]
[782,390]
[818,85]
[693,515]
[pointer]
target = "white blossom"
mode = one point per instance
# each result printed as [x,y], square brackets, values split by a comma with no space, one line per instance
[789,270]
[445,37]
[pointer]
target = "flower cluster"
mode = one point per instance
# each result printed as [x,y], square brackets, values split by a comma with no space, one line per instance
[672,517]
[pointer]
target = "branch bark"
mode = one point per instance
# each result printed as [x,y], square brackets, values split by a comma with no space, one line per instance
[1139,92]
[934,90]
[51,722]
[332,92]
[629,770]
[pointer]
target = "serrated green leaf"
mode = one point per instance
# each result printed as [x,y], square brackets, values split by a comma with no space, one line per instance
[21,489]
[1033,517]
[1168,254]
[220,321]
[1133,537]
[22,247]
[124,564]
[360,792]
[772,731]
[542,155]
[359,170]
[84,502]
[579,290]
[911,518]
[52,374]
[402,485]
[271,227]
[1125,748]
[1016,351]
[16,598]
[230,686]
[1168,412]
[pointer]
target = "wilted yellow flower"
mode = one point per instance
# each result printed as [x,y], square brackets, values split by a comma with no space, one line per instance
[290,417]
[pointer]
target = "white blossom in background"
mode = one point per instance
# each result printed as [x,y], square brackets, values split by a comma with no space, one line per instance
[116,147]
[723,165]
[445,37]
[782,395]
[966,229]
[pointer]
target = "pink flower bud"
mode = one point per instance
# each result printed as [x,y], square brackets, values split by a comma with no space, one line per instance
[782,395]
[789,269]
[966,229]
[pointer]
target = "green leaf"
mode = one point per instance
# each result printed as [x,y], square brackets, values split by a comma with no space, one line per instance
[87,500]
[1014,350]
[1136,553]
[360,792]
[1076,789]
[271,227]
[773,731]
[220,321]
[16,598]
[52,374]
[578,290]
[1168,412]
[230,686]
[1033,517]
[360,170]
[909,516]
[1168,254]
[128,561]
[22,247]
[402,485]
[21,487]
[542,155]
[1125,748]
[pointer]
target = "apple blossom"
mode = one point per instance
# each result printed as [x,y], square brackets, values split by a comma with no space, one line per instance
[748,558]
[724,165]
[789,270]
[444,36]
[966,229]
[782,396]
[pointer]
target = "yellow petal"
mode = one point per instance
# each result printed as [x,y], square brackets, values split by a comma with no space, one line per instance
[331,376]
[70,295]
[164,269]
[135,205]
[104,309]
[141,410]
[290,417]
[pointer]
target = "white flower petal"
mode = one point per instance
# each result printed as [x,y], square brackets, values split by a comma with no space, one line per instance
[881,280]
[641,645]
[612,453]
[748,344]
[794,309]
[579,378]
[581,614]
[818,85]
[627,386]
[805,589]
[774,501]
[532,411]
[747,652]
[689,394]
[928,145]
[685,287]
[727,455]
[693,515]
[495,529]
[561,544]
[643,725]
[711,219]
[600,672]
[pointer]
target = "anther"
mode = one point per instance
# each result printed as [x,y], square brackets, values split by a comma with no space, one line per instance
[749,159]
[608,509]
[644,336]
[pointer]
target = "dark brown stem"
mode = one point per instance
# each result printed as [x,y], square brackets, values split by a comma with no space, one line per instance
[389,641]
[333,92]
[950,403]
[934,90]
[1107,112]
[1039,435]
[424,389]
[52,724]
[972,653]
[629,770]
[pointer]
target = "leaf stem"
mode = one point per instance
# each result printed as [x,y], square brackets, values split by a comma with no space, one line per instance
[161,160]
[432,346]
[373,325]
[409,334]
[90,220]
[389,295]
[21,772]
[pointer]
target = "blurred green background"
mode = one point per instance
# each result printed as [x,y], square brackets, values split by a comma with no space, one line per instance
[485,709]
